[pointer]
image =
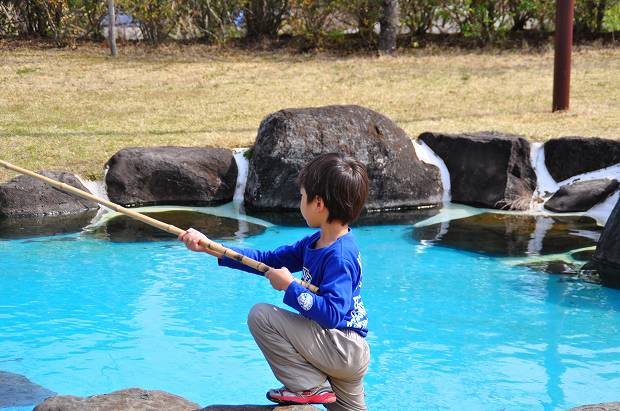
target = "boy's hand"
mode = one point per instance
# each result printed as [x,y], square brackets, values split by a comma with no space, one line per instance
[191,238]
[280,278]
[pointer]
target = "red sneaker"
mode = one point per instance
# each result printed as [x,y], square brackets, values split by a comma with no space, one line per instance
[318,395]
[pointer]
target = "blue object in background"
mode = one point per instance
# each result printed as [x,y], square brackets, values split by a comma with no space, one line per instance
[239,19]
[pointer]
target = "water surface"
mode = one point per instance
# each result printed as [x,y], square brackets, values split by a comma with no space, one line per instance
[449,329]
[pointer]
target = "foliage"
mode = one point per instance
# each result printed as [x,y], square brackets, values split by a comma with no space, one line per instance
[365,14]
[419,15]
[309,18]
[264,17]
[213,20]
[480,21]
[611,21]
[590,14]
[157,18]
[483,20]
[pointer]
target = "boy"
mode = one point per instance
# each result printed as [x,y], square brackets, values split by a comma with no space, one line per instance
[320,354]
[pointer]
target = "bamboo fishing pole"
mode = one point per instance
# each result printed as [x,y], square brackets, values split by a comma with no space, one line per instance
[207,243]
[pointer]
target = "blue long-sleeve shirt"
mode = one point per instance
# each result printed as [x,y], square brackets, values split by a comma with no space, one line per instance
[335,269]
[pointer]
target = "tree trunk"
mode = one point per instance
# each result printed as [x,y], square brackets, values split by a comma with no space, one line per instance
[600,15]
[390,26]
[112,28]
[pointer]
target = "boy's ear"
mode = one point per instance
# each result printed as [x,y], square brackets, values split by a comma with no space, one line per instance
[320,203]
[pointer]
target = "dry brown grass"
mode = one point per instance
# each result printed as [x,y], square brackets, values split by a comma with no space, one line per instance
[73,109]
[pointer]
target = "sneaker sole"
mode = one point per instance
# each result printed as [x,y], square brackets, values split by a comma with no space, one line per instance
[294,402]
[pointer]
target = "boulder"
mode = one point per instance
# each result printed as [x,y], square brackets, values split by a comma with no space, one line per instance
[18,391]
[290,138]
[171,175]
[487,169]
[607,406]
[569,156]
[25,196]
[581,195]
[606,259]
[131,399]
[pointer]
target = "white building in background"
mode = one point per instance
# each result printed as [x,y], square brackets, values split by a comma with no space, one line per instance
[126,27]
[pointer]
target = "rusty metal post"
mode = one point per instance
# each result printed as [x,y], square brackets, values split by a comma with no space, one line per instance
[563,49]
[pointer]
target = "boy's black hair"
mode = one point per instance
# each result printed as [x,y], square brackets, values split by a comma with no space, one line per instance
[341,182]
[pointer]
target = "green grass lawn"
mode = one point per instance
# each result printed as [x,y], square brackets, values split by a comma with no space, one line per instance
[73,109]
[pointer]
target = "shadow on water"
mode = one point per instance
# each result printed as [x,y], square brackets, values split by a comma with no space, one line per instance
[510,235]
[557,245]
[123,229]
[19,228]
[399,217]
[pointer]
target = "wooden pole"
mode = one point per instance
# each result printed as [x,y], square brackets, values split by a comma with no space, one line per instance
[112,28]
[211,245]
[563,49]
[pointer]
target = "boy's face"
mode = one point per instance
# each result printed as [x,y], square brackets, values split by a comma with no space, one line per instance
[310,211]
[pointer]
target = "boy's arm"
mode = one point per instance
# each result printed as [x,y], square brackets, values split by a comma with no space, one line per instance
[329,308]
[290,256]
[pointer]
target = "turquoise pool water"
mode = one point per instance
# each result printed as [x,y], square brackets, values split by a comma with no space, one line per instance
[449,330]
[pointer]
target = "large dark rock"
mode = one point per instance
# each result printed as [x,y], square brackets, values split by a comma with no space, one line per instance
[581,195]
[606,406]
[569,156]
[171,175]
[131,399]
[18,391]
[124,229]
[606,259]
[25,196]
[288,139]
[487,169]
[512,235]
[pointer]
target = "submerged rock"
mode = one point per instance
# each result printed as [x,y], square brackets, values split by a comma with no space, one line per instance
[26,196]
[18,391]
[288,139]
[171,175]
[131,399]
[581,195]
[512,235]
[125,229]
[552,267]
[585,255]
[566,157]
[487,169]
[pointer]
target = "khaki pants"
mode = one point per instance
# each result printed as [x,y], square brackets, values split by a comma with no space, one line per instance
[302,355]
